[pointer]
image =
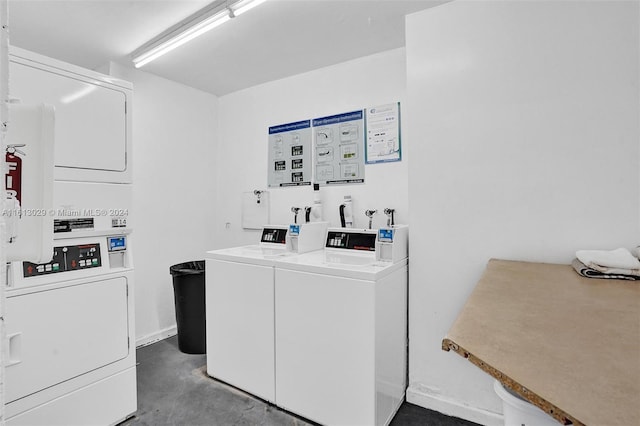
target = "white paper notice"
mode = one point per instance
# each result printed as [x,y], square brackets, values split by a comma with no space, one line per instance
[289,160]
[339,141]
[383,134]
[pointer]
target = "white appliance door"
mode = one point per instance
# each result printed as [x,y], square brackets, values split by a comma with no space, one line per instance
[90,118]
[325,347]
[55,335]
[239,314]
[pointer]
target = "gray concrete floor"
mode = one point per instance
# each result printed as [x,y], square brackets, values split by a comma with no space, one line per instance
[174,389]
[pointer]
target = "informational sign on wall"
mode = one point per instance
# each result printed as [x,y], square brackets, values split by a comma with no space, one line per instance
[290,154]
[383,134]
[339,145]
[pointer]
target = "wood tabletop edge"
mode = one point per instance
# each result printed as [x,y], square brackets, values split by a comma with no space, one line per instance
[555,412]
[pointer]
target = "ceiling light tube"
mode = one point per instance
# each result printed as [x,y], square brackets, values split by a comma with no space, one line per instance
[183,37]
[189,31]
[242,6]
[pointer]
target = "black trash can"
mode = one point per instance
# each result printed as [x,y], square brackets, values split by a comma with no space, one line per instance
[188,292]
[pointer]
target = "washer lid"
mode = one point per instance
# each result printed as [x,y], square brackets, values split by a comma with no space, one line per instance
[351,264]
[257,254]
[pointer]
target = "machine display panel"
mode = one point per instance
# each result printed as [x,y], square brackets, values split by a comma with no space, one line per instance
[294,229]
[351,240]
[274,235]
[66,258]
[68,225]
[385,235]
[117,243]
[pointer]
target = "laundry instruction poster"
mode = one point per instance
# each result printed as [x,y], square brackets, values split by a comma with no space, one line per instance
[290,154]
[339,148]
[383,134]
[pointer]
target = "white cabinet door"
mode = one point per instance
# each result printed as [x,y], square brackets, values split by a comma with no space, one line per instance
[240,340]
[56,335]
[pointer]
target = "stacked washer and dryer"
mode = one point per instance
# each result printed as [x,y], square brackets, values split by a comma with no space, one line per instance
[70,316]
[322,334]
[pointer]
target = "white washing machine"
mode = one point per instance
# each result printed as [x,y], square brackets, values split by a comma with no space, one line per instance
[341,328]
[240,306]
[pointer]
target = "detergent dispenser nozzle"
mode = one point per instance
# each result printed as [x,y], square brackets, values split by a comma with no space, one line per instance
[370,214]
[346,214]
[390,216]
[295,211]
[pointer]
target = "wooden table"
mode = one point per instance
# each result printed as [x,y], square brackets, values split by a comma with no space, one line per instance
[568,344]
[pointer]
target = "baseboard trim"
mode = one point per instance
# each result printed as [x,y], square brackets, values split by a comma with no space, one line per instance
[452,407]
[157,336]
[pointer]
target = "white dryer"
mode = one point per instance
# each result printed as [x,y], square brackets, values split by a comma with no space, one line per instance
[70,323]
[341,328]
[239,297]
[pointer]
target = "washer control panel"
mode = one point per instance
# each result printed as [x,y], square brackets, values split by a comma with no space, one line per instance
[351,240]
[66,258]
[274,235]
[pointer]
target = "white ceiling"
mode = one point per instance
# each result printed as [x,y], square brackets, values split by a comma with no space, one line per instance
[278,39]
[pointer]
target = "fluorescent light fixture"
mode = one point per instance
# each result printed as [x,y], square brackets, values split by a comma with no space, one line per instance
[242,6]
[215,14]
[183,37]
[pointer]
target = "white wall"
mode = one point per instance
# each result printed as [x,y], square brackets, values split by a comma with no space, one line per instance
[524,122]
[174,181]
[244,120]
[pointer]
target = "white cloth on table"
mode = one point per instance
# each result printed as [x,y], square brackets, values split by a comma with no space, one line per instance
[592,273]
[619,261]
